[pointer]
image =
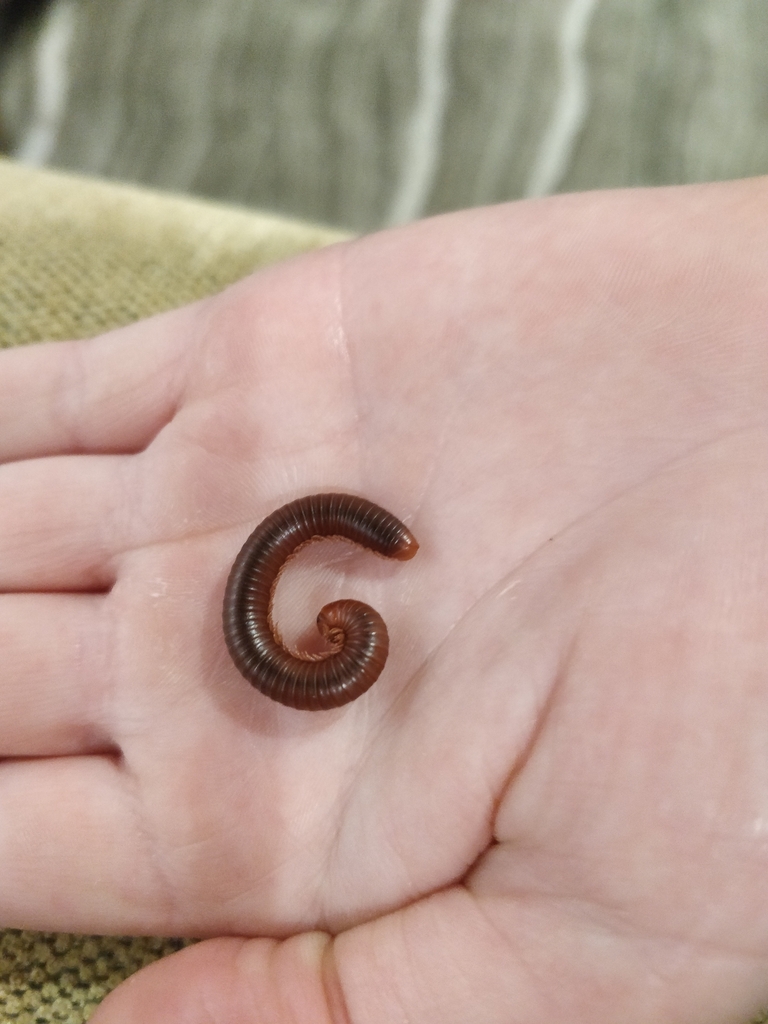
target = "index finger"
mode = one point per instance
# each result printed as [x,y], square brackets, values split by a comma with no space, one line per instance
[109,395]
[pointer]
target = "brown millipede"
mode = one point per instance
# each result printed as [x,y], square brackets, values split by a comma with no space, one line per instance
[356,634]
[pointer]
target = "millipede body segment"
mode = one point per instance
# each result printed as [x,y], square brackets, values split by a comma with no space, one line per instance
[356,635]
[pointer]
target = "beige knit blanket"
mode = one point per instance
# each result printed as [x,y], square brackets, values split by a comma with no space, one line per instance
[78,257]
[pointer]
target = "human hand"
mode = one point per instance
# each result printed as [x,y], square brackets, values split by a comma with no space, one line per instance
[554,802]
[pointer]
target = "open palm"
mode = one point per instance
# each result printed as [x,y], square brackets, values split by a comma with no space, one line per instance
[554,802]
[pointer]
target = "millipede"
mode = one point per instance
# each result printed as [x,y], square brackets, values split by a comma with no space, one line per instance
[355,634]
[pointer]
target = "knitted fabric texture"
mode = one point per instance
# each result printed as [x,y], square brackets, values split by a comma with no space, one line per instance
[78,257]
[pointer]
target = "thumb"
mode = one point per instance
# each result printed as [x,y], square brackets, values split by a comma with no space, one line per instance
[219,981]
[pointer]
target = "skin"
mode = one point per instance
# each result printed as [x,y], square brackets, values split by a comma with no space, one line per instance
[553,805]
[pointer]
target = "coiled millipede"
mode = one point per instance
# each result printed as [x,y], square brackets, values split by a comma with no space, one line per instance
[356,634]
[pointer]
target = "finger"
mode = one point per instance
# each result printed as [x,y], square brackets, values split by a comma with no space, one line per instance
[75,852]
[109,394]
[62,520]
[53,690]
[224,980]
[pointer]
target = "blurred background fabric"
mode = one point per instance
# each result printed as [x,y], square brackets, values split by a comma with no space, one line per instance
[363,113]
